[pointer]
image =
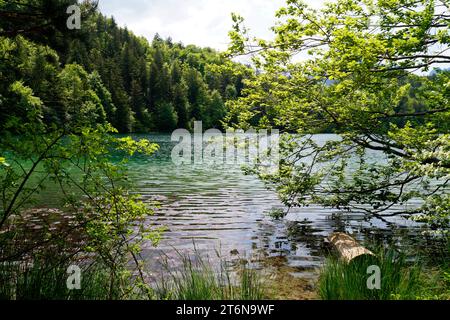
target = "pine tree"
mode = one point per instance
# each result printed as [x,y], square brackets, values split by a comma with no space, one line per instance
[197,93]
[216,110]
[182,106]
[166,117]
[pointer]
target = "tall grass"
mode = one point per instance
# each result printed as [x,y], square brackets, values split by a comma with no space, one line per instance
[399,279]
[49,282]
[197,279]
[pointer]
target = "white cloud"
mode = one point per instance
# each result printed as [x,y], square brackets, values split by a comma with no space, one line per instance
[200,22]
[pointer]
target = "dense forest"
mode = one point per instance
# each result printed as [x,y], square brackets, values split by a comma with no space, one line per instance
[103,72]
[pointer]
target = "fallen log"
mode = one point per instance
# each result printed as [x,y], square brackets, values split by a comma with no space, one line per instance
[347,247]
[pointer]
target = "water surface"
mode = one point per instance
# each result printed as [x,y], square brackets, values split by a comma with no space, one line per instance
[219,208]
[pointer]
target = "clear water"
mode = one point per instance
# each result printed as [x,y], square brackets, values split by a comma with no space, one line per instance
[219,208]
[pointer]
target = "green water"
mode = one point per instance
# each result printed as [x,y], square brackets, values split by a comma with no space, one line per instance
[219,208]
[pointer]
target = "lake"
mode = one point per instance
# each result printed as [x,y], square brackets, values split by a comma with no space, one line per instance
[219,208]
[209,208]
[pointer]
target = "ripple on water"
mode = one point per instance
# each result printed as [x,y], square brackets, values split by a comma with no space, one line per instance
[220,208]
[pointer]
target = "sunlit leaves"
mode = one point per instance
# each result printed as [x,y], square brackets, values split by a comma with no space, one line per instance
[132,146]
[355,79]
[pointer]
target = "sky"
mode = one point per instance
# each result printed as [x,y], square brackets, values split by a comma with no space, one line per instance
[201,22]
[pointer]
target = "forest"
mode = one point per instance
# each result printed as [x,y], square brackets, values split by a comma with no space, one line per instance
[120,78]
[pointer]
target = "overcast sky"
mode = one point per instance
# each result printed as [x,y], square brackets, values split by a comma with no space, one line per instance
[201,22]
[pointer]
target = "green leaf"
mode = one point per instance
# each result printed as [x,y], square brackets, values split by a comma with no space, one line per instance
[3,162]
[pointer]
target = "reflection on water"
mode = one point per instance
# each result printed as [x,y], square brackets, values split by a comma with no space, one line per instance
[221,208]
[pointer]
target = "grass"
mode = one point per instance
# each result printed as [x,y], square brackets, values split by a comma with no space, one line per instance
[48,282]
[197,279]
[400,279]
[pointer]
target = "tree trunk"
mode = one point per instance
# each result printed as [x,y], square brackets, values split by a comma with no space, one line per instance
[347,247]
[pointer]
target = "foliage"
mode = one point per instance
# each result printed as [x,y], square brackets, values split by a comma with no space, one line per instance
[81,162]
[356,81]
[58,134]
[134,80]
